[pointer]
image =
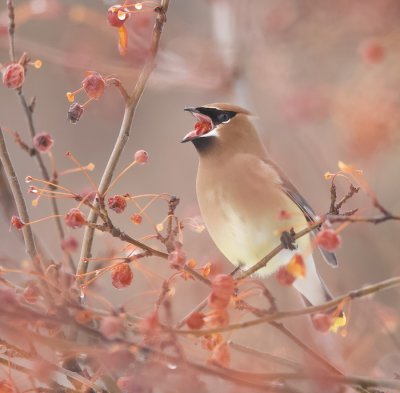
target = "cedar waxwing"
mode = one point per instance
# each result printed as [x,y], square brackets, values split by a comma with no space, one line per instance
[242,192]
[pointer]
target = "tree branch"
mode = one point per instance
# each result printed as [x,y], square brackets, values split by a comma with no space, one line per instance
[124,132]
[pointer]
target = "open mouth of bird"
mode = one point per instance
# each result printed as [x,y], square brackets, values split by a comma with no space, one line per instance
[202,126]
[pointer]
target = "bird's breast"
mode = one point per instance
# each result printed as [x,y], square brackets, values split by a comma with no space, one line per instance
[241,214]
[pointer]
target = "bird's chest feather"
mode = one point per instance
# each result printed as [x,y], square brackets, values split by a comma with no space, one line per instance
[241,212]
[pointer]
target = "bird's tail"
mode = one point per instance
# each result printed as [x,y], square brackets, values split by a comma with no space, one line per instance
[315,292]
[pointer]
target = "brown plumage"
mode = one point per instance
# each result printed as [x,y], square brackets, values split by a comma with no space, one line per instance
[241,193]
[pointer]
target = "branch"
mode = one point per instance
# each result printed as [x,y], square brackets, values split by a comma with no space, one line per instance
[20,203]
[124,132]
[362,292]
[28,109]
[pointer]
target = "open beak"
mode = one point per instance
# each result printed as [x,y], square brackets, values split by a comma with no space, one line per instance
[203,125]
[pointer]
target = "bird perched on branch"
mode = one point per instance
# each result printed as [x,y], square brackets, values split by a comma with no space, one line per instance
[242,193]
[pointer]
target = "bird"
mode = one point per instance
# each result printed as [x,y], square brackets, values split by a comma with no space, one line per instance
[241,193]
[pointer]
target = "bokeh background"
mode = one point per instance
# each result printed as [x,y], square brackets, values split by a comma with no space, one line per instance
[321,77]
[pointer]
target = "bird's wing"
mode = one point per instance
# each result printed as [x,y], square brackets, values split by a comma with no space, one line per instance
[293,193]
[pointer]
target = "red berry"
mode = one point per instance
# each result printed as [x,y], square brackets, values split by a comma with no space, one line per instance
[195,321]
[284,277]
[322,322]
[75,218]
[121,275]
[94,85]
[43,142]
[141,156]
[117,15]
[117,203]
[75,112]
[137,219]
[17,223]
[13,76]
[328,239]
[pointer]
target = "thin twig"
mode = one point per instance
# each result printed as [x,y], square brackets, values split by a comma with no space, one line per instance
[11,29]
[362,292]
[124,132]
[28,109]
[20,203]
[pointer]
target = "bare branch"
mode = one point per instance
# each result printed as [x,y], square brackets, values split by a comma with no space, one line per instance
[124,132]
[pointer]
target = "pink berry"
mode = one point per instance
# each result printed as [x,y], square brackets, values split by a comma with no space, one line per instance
[121,275]
[43,142]
[137,219]
[13,76]
[321,322]
[117,16]
[69,244]
[75,218]
[16,222]
[141,157]
[284,277]
[117,203]
[328,239]
[195,321]
[94,85]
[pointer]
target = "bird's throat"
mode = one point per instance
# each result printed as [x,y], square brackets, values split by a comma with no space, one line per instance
[204,144]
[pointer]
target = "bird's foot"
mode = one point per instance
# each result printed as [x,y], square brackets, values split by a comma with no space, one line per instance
[288,239]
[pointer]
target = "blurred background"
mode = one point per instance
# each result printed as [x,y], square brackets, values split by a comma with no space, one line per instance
[322,79]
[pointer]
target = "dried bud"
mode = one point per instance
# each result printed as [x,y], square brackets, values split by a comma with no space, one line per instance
[13,76]
[69,244]
[43,142]
[211,341]
[117,203]
[16,222]
[75,218]
[141,156]
[111,326]
[75,112]
[284,277]
[94,85]
[137,219]
[31,294]
[117,15]
[328,239]
[296,266]
[195,321]
[177,258]
[322,322]
[221,355]
[122,275]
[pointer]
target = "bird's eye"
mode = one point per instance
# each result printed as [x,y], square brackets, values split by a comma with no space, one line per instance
[223,117]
